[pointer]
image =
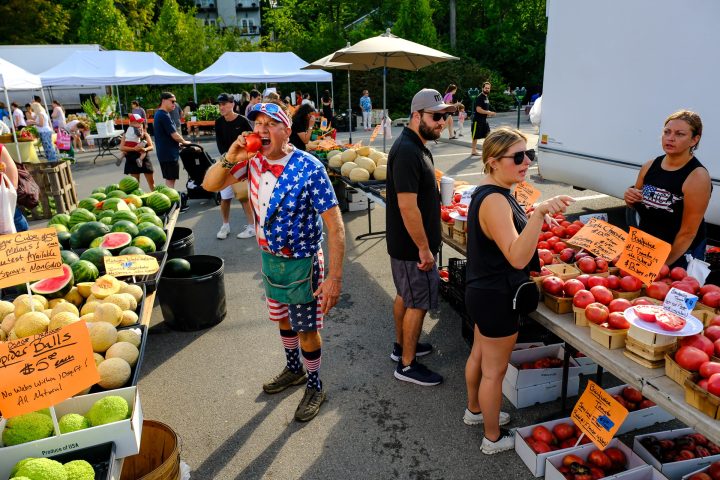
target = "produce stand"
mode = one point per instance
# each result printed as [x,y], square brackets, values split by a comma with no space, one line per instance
[28,153]
[194,127]
[106,144]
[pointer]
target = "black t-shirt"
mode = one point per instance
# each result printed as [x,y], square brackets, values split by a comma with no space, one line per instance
[482,102]
[227,132]
[298,127]
[411,170]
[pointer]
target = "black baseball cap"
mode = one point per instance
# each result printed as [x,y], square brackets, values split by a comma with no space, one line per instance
[225,98]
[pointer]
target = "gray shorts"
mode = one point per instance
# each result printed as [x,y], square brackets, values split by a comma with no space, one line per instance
[418,289]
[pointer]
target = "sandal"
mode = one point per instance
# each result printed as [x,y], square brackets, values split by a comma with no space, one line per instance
[475,154]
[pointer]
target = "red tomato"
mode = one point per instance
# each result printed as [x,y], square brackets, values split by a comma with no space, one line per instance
[617,457]
[712,332]
[560,246]
[612,282]
[563,431]
[602,265]
[658,290]
[708,369]
[670,322]
[597,282]
[570,459]
[678,273]
[583,298]
[573,286]
[632,394]
[586,264]
[585,279]
[617,321]
[690,358]
[542,434]
[597,313]
[445,216]
[698,341]
[253,142]
[711,299]
[630,284]
[664,272]
[647,313]
[553,285]
[558,231]
[619,305]
[543,244]
[457,197]
[602,294]
[599,459]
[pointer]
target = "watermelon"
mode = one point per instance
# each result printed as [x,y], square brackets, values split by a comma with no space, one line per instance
[150,218]
[99,190]
[64,238]
[117,194]
[159,202]
[96,243]
[132,251]
[145,243]
[76,227]
[144,210]
[90,231]
[124,215]
[60,219]
[106,220]
[171,193]
[112,204]
[106,213]
[95,256]
[98,196]
[116,241]
[85,271]
[138,192]
[88,203]
[177,268]
[128,184]
[80,215]
[59,227]
[111,188]
[126,226]
[154,233]
[133,201]
[69,257]
[55,287]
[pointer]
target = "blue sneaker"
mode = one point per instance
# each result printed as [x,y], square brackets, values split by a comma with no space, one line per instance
[421,350]
[417,373]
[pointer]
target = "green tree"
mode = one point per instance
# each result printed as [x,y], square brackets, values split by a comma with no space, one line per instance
[103,24]
[31,22]
[414,22]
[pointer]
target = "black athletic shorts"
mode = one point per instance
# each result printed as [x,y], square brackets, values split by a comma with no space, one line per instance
[131,166]
[491,311]
[480,129]
[170,170]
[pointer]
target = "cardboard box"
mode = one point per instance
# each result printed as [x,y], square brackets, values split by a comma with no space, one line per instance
[525,346]
[353,195]
[640,418]
[635,464]
[587,365]
[125,434]
[546,392]
[361,205]
[672,470]
[688,475]
[536,461]
[517,378]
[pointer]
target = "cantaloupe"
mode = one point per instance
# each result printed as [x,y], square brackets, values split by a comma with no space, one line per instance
[359,175]
[348,155]
[366,163]
[363,151]
[380,172]
[382,161]
[335,161]
[333,153]
[346,168]
[375,156]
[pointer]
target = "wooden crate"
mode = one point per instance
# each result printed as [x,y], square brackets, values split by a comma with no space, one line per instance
[626,295]
[701,399]
[650,338]
[579,316]
[460,237]
[704,315]
[558,305]
[654,301]
[460,226]
[642,361]
[447,229]
[563,270]
[674,371]
[56,183]
[651,352]
[607,337]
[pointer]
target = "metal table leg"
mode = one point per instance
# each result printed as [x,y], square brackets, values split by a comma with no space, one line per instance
[370,233]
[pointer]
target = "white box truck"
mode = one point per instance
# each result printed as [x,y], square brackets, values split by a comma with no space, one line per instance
[614,70]
[38,58]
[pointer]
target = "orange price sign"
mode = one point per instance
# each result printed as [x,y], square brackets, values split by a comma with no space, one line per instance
[44,370]
[526,194]
[644,255]
[375,133]
[28,256]
[598,415]
[601,238]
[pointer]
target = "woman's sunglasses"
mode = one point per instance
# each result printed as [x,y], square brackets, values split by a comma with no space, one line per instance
[437,116]
[519,157]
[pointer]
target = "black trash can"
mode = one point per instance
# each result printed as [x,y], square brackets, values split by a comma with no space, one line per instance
[190,304]
[182,243]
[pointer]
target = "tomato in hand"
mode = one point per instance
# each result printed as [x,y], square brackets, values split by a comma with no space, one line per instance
[253,142]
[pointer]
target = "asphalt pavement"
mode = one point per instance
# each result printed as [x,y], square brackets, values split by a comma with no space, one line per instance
[207,385]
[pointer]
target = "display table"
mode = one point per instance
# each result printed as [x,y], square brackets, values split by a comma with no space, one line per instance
[28,152]
[194,127]
[105,145]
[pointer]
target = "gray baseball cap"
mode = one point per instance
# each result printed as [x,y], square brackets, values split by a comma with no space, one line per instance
[430,100]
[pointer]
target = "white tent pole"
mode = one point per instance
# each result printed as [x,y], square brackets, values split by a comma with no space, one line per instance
[332,96]
[194,90]
[384,114]
[42,94]
[14,133]
[349,106]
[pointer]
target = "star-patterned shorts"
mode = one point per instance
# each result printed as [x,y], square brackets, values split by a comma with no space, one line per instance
[307,317]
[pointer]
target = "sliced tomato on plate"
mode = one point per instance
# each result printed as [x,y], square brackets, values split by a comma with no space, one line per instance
[647,313]
[670,322]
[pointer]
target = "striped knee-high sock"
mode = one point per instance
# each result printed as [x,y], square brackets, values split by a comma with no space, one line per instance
[312,364]
[291,343]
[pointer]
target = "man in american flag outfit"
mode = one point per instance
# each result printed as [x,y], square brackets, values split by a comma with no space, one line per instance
[291,197]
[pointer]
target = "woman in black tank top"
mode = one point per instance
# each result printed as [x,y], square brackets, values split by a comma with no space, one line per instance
[501,243]
[672,191]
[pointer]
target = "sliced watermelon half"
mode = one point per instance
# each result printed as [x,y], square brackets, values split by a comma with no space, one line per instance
[116,241]
[55,287]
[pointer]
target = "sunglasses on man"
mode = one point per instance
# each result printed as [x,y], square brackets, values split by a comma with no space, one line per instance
[437,116]
[519,157]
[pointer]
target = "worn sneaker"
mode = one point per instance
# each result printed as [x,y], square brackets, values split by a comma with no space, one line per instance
[505,442]
[417,373]
[477,418]
[421,350]
[284,380]
[310,405]
[224,231]
[249,232]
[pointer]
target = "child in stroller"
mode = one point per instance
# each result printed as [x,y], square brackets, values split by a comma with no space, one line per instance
[196,162]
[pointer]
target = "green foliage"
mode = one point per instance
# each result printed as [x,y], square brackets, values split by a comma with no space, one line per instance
[32,22]
[102,23]
[408,27]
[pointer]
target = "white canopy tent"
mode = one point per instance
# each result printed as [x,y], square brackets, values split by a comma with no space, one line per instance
[252,67]
[13,77]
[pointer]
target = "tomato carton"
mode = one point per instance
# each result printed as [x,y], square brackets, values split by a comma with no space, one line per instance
[559,305]
[536,461]
[607,337]
[587,365]
[543,393]
[640,418]
[526,345]
[636,467]
[689,475]
[701,399]
[674,470]
[521,378]
[126,433]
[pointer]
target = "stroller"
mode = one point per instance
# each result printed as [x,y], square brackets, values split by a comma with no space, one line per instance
[196,162]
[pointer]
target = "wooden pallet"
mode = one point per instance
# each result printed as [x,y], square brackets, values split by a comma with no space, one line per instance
[56,183]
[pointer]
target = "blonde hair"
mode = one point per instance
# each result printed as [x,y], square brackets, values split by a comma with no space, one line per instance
[692,119]
[37,108]
[498,142]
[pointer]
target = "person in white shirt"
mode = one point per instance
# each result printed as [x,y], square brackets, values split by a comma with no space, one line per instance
[44,128]
[306,100]
[18,117]
[4,128]
[58,115]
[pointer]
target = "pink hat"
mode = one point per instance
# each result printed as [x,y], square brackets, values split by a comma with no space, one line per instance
[134,117]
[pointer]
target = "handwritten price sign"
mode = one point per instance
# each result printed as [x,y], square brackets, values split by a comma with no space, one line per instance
[643,256]
[526,194]
[600,238]
[375,133]
[46,369]
[129,265]
[29,256]
[598,415]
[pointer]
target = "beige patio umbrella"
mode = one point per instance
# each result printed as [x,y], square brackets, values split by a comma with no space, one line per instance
[326,63]
[390,51]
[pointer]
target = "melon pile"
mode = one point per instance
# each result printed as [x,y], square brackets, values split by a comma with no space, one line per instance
[360,164]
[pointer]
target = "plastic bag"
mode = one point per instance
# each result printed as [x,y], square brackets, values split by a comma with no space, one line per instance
[63,141]
[8,200]
[697,268]
[535,112]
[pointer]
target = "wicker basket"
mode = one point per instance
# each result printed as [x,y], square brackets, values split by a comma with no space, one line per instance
[6,138]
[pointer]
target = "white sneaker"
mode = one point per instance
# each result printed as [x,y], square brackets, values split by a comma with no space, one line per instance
[224,231]
[477,418]
[505,442]
[249,232]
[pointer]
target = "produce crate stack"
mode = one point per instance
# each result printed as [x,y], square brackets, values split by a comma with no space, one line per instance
[57,189]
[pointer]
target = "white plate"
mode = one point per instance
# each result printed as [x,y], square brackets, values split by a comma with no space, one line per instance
[692,326]
[457,216]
